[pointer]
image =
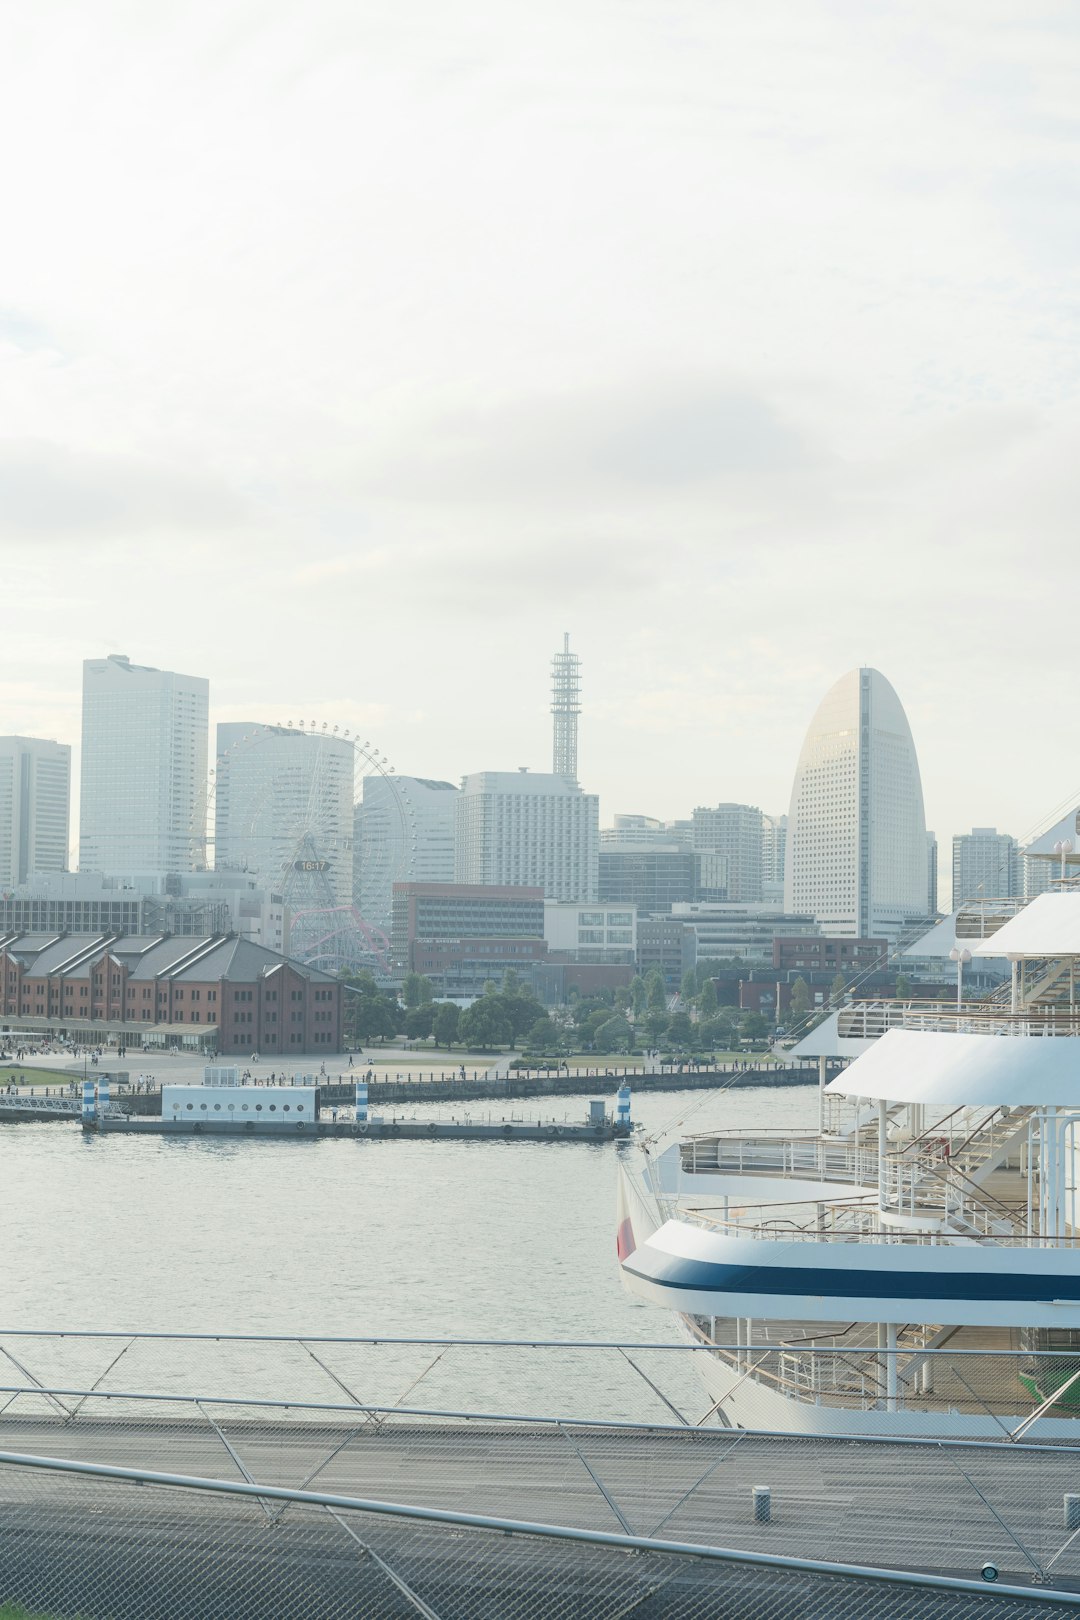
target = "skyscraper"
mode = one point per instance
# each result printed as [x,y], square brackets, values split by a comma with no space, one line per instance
[143,795]
[773,857]
[284,796]
[516,828]
[35,808]
[856,849]
[404,834]
[985,866]
[734,831]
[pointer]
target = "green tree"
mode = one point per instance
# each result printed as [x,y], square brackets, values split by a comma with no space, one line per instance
[688,987]
[639,994]
[511,982]
[707,999]
[419,1022]
[656,999]
[445,1027]
[416,991]
[800,998]
[754,1027]
[680,1029]
[542,1035]
[656,1024]
[369,1014]
[903,987]
[483,1025]
[614,1035]
[622,998]
[836,992]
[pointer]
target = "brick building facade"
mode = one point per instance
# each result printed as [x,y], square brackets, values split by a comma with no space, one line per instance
[222,993]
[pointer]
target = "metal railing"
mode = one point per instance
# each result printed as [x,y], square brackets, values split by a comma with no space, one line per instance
[72,1377]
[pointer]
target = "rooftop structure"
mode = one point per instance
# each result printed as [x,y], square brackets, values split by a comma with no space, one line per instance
[565,709]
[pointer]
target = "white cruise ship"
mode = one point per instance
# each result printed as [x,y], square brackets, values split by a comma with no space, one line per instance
[833,1277]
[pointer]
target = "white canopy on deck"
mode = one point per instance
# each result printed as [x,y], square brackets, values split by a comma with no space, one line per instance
[1049,926]
[966,1071]
[827,1041]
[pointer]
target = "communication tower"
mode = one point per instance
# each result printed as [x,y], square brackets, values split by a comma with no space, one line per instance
[565,708]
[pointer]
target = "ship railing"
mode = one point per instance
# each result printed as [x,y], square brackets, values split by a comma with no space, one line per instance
[867,1020]
[783,1156]
[854,1224]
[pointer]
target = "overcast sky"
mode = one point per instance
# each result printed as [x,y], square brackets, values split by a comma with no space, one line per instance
[350,352]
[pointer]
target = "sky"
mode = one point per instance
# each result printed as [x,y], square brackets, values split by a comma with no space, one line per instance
[351,353]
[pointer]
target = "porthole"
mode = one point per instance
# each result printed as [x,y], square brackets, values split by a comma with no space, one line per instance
[203,1107]
[244,1106]
[217,1108]
[231,1107]
[258,1108]
[299,1108]
[273,1108]
[190,1106]
[285,1107]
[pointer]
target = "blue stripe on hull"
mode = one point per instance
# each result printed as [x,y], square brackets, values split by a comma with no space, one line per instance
[706,1276]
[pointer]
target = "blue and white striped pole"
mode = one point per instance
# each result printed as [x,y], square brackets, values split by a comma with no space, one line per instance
[622,1106]
[361,1101]
[102,1096]
[88,1107]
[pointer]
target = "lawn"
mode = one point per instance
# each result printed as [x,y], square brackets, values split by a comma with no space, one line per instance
[22,1075]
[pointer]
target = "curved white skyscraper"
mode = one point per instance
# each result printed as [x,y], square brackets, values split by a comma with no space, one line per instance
[856,842]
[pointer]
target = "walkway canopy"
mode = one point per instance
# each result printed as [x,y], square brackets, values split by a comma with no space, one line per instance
[966,1071]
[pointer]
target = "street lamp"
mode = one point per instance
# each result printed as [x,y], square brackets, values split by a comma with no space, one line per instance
[1064,848]
[959,954]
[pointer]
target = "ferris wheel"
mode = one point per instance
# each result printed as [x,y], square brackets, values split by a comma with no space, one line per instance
[316,813]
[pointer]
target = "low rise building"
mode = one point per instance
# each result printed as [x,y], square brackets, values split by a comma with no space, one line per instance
[221,993]
[832,955]
[191,904]
[668,944]
[460,935]
[743,932]
[577,932]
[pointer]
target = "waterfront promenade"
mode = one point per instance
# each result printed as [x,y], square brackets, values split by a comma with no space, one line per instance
[396,1077]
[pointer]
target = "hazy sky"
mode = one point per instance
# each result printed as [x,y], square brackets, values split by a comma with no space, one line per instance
[350,352]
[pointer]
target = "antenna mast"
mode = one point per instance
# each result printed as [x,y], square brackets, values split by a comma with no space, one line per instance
[565,708]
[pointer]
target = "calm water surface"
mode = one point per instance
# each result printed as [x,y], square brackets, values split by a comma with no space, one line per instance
[442,1238]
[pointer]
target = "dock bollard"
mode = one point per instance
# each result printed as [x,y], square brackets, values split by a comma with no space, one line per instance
[762,1504]
[1071,1510]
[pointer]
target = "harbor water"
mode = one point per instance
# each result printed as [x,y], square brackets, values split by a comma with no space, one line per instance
[462,1239]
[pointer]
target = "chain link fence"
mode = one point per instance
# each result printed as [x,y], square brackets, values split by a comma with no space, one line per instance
[86,1547]
[620,1445]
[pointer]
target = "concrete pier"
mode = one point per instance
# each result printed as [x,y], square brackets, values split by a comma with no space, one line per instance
[379,1130]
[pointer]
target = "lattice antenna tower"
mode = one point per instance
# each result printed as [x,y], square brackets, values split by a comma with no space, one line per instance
[565,708]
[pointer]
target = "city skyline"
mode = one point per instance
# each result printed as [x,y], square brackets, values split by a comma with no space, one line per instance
[608,812]
[475,364]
